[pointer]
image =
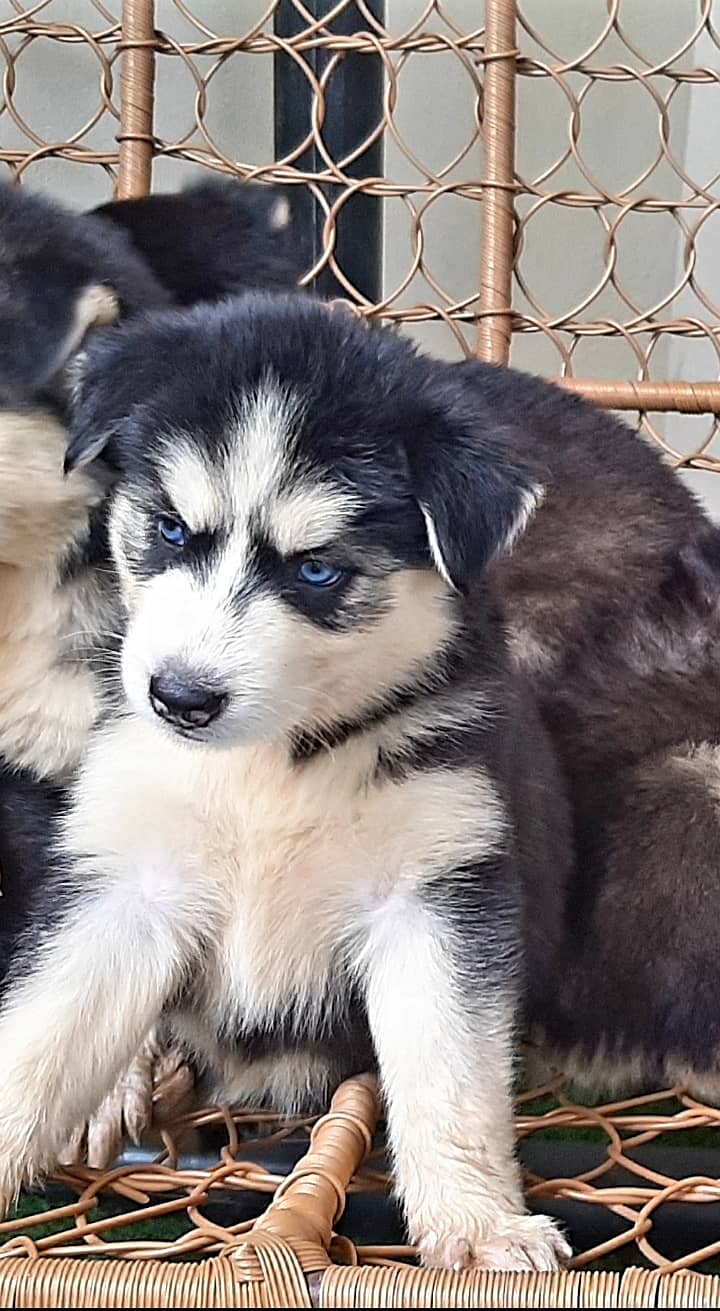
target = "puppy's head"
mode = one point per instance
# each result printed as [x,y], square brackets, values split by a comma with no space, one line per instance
[214,239]
[61,274]
[303,501]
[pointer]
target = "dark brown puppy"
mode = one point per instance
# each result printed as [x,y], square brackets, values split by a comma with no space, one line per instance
[638,979]
[612,602]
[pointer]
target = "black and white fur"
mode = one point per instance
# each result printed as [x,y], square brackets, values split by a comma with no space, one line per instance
[313,836]
[63,274]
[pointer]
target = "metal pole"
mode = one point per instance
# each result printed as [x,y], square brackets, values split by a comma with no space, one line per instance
[353,104]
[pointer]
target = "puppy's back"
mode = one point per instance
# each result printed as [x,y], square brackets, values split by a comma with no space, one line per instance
[612,512]
[215,239]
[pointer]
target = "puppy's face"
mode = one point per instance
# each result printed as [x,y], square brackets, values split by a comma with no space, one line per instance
[295,517]
[265,590]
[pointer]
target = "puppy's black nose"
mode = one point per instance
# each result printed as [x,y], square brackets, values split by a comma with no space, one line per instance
[184,702]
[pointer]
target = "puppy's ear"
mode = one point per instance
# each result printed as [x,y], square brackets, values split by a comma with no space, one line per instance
[473,497]
[103,383]
[115,382]
[90,429]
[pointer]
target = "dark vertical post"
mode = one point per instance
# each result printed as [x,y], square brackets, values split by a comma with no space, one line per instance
[353,108]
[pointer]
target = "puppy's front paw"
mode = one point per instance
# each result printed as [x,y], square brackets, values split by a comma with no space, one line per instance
[525,1242]
[518,1242]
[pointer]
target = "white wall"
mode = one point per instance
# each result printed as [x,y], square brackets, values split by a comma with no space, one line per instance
[562,258]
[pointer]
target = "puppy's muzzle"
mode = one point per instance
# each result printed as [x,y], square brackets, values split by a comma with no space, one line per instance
[185,702]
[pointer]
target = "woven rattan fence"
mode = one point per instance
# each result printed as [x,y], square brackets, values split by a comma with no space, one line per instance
[640,1179]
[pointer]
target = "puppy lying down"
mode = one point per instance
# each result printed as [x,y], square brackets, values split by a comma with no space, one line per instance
[306,839]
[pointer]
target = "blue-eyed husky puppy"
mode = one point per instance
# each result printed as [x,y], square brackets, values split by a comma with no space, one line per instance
[308,839]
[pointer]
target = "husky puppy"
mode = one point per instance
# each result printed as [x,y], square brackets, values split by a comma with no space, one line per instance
[61,275]
[310,838]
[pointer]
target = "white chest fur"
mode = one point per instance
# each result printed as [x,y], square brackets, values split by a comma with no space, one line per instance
[287,865]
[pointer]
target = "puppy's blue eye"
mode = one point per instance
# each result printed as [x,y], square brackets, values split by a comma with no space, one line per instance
[318,573]
[172,532]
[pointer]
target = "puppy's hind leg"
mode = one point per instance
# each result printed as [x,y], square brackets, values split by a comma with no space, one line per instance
[157,1082]
[645,906]
[75,1016]
[445,1056]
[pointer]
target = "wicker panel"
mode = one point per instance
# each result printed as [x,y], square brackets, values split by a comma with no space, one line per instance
[617,312]
[650,204]
[300,1225]
[638,225]
[45,49]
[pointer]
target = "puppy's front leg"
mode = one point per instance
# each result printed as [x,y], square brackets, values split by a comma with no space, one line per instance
[443,1041]
[76,1012]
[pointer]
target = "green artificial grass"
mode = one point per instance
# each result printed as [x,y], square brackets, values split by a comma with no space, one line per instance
[160,1229]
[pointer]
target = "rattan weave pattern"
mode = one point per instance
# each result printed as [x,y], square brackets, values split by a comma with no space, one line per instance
[308,1204]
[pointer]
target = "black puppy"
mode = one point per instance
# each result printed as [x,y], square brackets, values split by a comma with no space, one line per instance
[223,238]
